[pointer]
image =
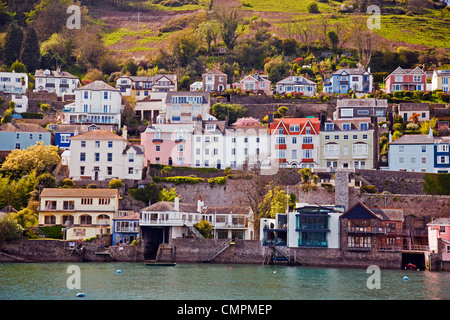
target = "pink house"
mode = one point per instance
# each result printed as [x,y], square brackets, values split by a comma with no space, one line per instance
[168,144]
[439,229]
[255,83]
[407,80]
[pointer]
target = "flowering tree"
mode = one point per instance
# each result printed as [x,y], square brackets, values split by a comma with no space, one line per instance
[246,122]
[39,157]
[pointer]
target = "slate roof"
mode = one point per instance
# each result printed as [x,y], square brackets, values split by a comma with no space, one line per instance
[99,134]
[22,127]
[79,192]
[296,80]
[97,86]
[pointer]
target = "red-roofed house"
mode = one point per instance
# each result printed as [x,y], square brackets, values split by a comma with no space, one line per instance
[406,79]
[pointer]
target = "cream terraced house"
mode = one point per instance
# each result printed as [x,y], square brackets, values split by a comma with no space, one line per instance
[85,213]
[349,144]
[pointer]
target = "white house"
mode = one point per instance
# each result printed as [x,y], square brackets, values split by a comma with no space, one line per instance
[186,106]
[59,82]
[21,101]
[102,155]
[13,82]
[208,144]
[440,80]
[96,102]
[141,87]
[296,84]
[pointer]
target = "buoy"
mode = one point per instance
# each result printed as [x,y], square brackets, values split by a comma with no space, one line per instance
[405,278]
[119,271]
[80,294]
[274,272]
[230,268]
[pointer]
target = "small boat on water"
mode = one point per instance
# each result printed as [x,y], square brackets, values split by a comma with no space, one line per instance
[411,266]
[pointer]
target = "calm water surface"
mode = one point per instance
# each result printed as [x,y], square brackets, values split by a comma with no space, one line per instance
[100,281]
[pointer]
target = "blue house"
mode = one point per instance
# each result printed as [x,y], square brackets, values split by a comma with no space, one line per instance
[344,80]
[413,153]
[125,229]
[20,136]
[442,155]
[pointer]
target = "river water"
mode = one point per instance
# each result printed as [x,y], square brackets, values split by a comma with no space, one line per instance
[136,281]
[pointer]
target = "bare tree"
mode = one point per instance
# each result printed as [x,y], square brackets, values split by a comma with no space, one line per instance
[362,39]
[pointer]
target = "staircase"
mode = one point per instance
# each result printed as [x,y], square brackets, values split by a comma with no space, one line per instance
[196,233]
[223,246]
[277,255]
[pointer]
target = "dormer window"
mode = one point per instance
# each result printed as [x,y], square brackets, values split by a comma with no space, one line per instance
[346,126]
[210,126]
[363,126]
[294,128]
[329,126]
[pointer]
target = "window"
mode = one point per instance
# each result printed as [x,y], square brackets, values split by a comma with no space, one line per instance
[424,148]
[346,126]
[417,78]
[346,113]
[345,136]
[331,150]
[49,220]
[50,205]
[294,140]
[363,126]
[131,157]
[360,150]
[157,135]
[97,157]
[180,147]
[307,140]
[110,144]
[85,219]
[86,95]
[215,151]
[424,160]
[31,136]
[442,148]
[401,160]
[413,160]
[329,126]
[18,146]
[104,201]
[109,171]
[233,152]
[68,205]
[355,137]
[294,154]
[442,159]
[336,137]
[158,148]
[280,131]
[206,152]
[109,157]
[307,154]
[82,171]
[280,140]
[82,156]
[97,144]
[86,201]
[359,242]
[105,95]
[280,154]
[83,144]
[180,160]
[294,128]
[130,170]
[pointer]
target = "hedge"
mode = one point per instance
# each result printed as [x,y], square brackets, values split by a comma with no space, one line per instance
[54,232]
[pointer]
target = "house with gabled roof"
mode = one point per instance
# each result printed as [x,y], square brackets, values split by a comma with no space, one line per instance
[295,141]
[141,87]
[17,135]
[349,79]
[367,229]
[297,84]
[57,81]
[254,83]
[406,80]
[214,80]
[103,155]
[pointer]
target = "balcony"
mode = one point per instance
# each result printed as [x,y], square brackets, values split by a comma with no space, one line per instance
[367,230]
[157,140]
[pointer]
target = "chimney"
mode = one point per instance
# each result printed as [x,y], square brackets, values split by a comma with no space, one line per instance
[58,69]
[75,132]
[125,132]
[177,204]
[430,133]
[200,204]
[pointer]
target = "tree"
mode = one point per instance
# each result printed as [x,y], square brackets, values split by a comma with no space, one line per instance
[31,54]
[115,184]
[232,111]
[209,32]
[228,27]
[308,178]
[13,44]
[149,194]
[363,39]
[9,229]
[275,201]
[18,67]
[7,116]
[168,195]
[334,40]
[204,227]
[38,157]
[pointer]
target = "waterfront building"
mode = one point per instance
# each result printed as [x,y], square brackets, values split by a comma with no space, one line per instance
[406,80]
[168,144]
[349,79]
[96,102]
[85,213]
[16,135]
[164,220]
[439,239]
[349,143]
[295,142]
[125,227]
[13,82]
[371,229]
[57,81]
[360,108]
[297,84]
[103,155]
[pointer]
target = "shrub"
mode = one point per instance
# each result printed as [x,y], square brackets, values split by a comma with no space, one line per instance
[368,189]
[217,180]
[54,232]
[313,7]
[116,184]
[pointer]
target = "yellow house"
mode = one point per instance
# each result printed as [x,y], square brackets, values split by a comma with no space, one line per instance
[85,212]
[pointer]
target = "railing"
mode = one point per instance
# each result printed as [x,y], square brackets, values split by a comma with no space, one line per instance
[225,225]
[391,249]
[416,248]
[366,230]
[127,229]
